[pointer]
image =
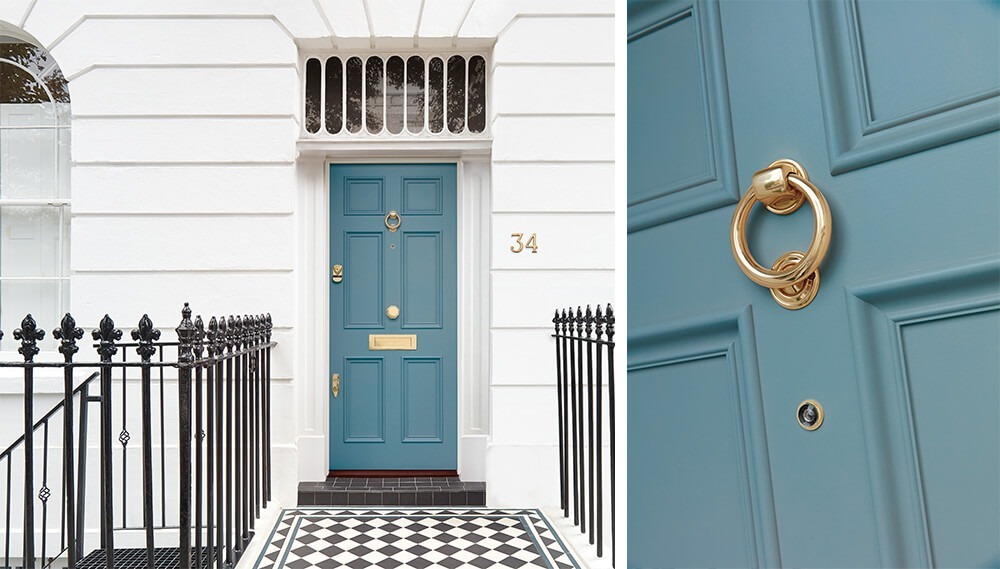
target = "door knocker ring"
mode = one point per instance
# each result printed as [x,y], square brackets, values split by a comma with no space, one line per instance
[393,216]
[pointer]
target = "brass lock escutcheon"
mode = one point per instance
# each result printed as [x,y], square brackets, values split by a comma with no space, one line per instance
[392,312]
[794,277]
[335,384]
[338,273]
[393,216]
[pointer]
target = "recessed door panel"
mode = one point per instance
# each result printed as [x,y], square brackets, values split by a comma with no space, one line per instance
[422,196]
[363,303]
[951,370]
[709,524]
[364,196]
[422,404]
[423,272]
[363,389]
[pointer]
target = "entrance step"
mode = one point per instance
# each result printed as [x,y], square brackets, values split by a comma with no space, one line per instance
[413,491]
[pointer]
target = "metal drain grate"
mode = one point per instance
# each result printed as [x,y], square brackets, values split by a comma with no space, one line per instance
[163,557]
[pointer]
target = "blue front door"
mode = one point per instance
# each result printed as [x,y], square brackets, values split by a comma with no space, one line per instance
[892,108]
[393,316]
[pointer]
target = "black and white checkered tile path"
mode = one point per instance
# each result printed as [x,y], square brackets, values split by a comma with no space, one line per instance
[418,538]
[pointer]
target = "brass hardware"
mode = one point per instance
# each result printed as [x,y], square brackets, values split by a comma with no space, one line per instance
[338,273]
[519,245]
[335,384]
[809,414]
[392,312]
[377,342]
[393,215]
[794,278]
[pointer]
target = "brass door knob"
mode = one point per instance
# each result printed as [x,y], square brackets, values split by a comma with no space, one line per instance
[338,273]
[794,278]
[392,312]
[335,384]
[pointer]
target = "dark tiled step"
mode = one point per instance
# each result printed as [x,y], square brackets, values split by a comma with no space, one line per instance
[448,491]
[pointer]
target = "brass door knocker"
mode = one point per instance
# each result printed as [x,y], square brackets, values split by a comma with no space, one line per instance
[794,278]
[393,216]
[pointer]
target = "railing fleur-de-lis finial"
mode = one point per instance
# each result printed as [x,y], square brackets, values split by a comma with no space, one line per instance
[199,337]
[599,321]
[609,317]
[564,320]
[232,336]
[213,336]
[268,327]
[67,333]
[555,321]
[30,335]
[145,334]
[228,327]
[589,319]
[247,330]
[237,330]
[106,335]
[579,320]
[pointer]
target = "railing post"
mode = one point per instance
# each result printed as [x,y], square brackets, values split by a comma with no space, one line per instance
[106,335]
[598,343]
[29,334]
[145,334]
[580,390]
[68,334]
[609,317]
[589,319]
[230,451]
[199,434]
[267,404]
[559,413]
[564,321]
[573,417]
[213,334]
[247,489]
[185,359]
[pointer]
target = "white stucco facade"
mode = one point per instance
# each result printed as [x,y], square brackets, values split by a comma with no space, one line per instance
[194,180]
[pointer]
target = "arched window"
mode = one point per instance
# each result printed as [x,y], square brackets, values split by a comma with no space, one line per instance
[34,184]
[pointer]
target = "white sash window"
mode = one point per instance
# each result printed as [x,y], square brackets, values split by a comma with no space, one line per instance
[34,187]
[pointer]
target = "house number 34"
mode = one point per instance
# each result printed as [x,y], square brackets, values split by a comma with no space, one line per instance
[519,244]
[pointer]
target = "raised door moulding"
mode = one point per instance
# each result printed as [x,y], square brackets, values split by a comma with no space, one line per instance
[853,140]
[717,186]
[730,335]
[877,313]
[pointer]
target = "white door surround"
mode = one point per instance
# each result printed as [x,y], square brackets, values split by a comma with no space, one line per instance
[312,334]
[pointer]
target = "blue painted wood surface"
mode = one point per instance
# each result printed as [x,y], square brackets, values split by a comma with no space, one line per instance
[396,409]
[897,126]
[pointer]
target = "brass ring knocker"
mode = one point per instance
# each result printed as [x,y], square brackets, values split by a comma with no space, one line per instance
[794,278]
[393,215]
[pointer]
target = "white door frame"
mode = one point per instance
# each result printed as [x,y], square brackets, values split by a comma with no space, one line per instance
[312,336]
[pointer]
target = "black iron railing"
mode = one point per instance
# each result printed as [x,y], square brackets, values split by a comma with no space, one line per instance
[585,356]
[223,461]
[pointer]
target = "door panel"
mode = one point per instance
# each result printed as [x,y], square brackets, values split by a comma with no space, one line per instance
[900,339]
[422,400]
[364,400]
[397,408]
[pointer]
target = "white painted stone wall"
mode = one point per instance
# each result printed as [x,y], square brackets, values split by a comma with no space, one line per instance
[186,182]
